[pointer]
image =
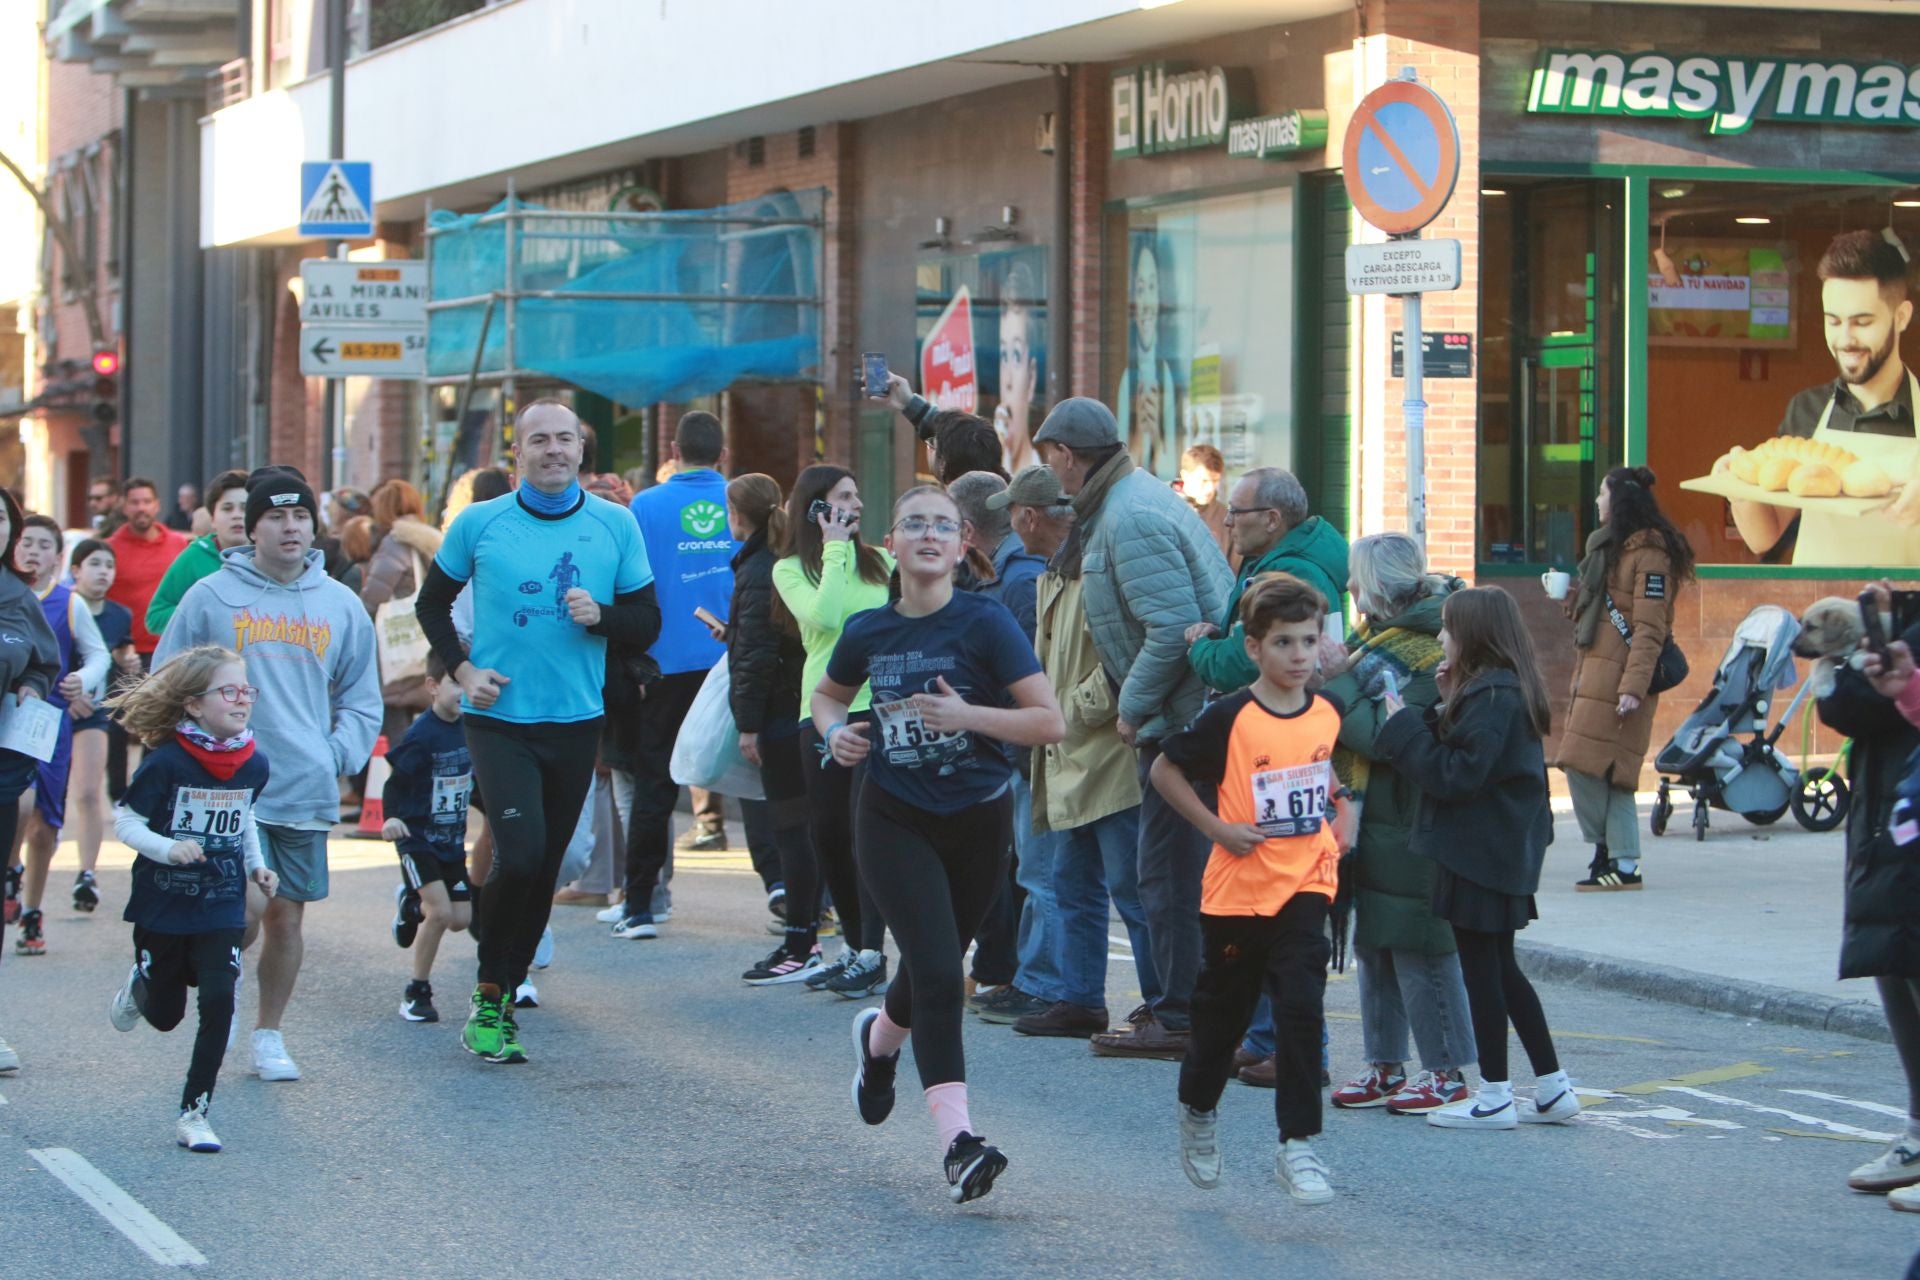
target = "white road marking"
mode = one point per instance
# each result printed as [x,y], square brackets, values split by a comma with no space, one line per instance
[1600,1119]
[1673,1115]
[128,1216]
[1832,1126]
[1878,1108]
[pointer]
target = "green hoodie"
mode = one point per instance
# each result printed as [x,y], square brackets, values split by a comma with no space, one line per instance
[1312,551]
[200,559]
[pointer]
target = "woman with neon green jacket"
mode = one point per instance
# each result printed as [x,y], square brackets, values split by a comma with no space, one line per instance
[828,576]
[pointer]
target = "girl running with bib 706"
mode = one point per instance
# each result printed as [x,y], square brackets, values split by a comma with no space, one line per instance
[955,683]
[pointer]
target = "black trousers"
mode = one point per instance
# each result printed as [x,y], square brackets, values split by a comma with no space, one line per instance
[169,964]
[935,875]
[1286,955]
[650,830]
[996,956]
[783,774]
[833,794]
[1498,991]
[536,778]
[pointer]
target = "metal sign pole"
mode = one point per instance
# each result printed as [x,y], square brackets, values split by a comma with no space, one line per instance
[333,409]
[1414,406]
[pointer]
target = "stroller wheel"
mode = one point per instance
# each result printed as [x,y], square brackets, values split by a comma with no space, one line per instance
[1662,813]
[1700,820]
[1821,801]
[1766,817]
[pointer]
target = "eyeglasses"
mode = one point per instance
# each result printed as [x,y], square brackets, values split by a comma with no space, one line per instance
[941,528]
[1236,512]
[243,693]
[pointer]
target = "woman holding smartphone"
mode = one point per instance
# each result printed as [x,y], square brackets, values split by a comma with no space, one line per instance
[828,576]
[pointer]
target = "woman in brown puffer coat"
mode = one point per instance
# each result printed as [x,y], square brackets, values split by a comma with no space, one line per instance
[1635,565]
[406,540]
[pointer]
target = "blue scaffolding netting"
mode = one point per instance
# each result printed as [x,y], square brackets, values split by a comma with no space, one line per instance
[640,309]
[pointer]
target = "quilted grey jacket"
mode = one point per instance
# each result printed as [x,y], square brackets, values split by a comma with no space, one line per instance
[1151,570]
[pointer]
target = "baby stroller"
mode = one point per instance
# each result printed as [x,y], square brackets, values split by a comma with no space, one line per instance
[1750,777]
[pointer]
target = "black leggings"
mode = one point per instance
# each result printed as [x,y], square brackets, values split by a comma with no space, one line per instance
[1900,997]
[833,795]
[172,962]
[1497,991]
[783,773]
[935,875]
[536,778]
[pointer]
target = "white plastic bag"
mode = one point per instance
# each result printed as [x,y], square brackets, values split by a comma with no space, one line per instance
[707,752]
[399,642]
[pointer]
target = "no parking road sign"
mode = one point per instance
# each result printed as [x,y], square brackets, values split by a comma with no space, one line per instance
[1401,157]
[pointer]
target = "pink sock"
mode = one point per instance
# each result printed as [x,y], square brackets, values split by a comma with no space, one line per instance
[948,1102]
[885,1036]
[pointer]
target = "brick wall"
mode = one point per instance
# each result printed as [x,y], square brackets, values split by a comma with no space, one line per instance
[1090,145]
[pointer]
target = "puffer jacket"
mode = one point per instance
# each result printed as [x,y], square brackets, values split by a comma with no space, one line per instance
[1151,570]
[763,659]
[1597,740]
[1881,936]
[1392,886]
[1312,551]
[389,572]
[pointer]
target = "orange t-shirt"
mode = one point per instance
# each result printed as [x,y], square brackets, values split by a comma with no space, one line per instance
[1275,772]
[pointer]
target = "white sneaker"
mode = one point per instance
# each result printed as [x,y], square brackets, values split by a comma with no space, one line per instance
[193,1132]
[1897,1166]
[1200,1146]
[1905,1199]
[543,954]
[9,1060]
[526,996]
[611,915]
[270,1060]
[124,1012]
[1298,1168]
[1469,1113]
[1560,1110]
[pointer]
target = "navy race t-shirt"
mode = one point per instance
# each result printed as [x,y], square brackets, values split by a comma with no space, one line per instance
[181,800]
[972,643]
[428,788]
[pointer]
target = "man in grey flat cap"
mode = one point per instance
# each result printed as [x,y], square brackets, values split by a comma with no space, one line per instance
[1150,570]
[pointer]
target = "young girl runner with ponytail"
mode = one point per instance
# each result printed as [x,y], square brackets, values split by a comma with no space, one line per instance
[955,683]
[188,814]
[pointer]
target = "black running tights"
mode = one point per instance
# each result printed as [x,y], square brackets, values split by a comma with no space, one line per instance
[535,778]
[1497,991]
[172,962]
[935,875]
[833,794]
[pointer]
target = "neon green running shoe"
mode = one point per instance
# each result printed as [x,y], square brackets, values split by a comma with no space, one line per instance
[510,1050]
[483,1035]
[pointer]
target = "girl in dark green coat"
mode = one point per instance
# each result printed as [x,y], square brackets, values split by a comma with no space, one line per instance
[1409,976]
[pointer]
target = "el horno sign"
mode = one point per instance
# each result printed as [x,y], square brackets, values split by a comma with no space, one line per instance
[1157,108]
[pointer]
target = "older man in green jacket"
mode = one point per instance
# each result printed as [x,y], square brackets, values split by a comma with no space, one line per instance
[1272,533]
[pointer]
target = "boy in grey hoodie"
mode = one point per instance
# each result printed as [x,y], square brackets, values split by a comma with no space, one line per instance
[309,650]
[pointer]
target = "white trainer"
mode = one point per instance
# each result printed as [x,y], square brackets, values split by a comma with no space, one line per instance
[193,1132]
[125,1010]
[1905,1199]
[270,1060]
[9,1060]
[526,996]
[1476,1113]
[1897,1166]
[1559,1110]
[611,915]
[1200,1146]
[1298,1168]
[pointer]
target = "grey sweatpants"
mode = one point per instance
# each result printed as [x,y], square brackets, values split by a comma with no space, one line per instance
[1606,814]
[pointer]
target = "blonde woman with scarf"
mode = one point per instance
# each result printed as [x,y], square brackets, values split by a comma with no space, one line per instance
[1409,974]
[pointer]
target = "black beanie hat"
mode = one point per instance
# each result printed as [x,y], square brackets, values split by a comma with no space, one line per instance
[270,487]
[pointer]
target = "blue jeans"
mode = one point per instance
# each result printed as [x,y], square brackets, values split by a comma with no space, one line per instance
[1260,1034]
[1038,974]
[1089,864]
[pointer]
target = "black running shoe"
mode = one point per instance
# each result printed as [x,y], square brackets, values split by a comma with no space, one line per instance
[86,892]
[972,1166]
[866,976]
[417,1005]
[1607,877]
[873,1077]
[406,915]
[819,978]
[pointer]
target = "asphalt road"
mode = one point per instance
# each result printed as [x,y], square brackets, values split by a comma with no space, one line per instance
[674,1120]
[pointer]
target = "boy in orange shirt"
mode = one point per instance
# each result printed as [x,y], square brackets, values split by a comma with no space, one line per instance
[1270,880]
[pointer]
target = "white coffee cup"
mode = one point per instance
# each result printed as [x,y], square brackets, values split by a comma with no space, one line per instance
[1556,583]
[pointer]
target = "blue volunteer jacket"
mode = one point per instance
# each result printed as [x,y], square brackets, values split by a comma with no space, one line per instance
[684,525]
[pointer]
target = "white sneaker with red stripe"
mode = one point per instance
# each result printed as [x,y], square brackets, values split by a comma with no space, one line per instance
[1371,1088]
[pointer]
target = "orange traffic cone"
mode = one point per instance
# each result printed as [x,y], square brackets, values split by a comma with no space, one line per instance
[372,815]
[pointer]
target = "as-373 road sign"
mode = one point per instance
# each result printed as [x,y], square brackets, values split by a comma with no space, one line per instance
[363,350]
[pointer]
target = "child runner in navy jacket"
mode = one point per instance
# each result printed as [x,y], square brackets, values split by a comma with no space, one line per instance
[1478,761]
[188,813]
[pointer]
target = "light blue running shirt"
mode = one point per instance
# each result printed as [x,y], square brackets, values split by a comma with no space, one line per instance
[521,567]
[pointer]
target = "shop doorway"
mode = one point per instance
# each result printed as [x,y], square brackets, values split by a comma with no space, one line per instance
[1550,391]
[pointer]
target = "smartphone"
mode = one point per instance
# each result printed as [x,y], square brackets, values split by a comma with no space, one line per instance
[820,509]
[874,365]
[706,616]
[1876,635]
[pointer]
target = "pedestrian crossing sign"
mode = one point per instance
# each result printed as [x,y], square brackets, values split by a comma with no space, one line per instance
[336,199]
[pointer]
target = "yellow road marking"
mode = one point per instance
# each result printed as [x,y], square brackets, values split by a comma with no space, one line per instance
[1718,1075]
[1599,1035]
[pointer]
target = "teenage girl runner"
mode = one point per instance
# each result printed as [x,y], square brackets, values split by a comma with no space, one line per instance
[93,564]
[829,577]
[955,683]
[1478,761]
[188,814]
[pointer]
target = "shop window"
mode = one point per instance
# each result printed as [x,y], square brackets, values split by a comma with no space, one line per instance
[981,324]
[1745,340]
[1200,330]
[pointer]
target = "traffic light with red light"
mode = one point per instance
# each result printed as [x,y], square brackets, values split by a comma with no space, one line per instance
[106,362]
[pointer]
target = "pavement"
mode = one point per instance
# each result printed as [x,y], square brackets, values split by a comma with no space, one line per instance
[1746,921]
[673,1120]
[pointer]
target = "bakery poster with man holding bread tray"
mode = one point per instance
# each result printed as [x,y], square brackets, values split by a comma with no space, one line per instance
[1840,478]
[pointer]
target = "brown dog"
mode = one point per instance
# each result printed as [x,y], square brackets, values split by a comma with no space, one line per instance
[1830,632]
